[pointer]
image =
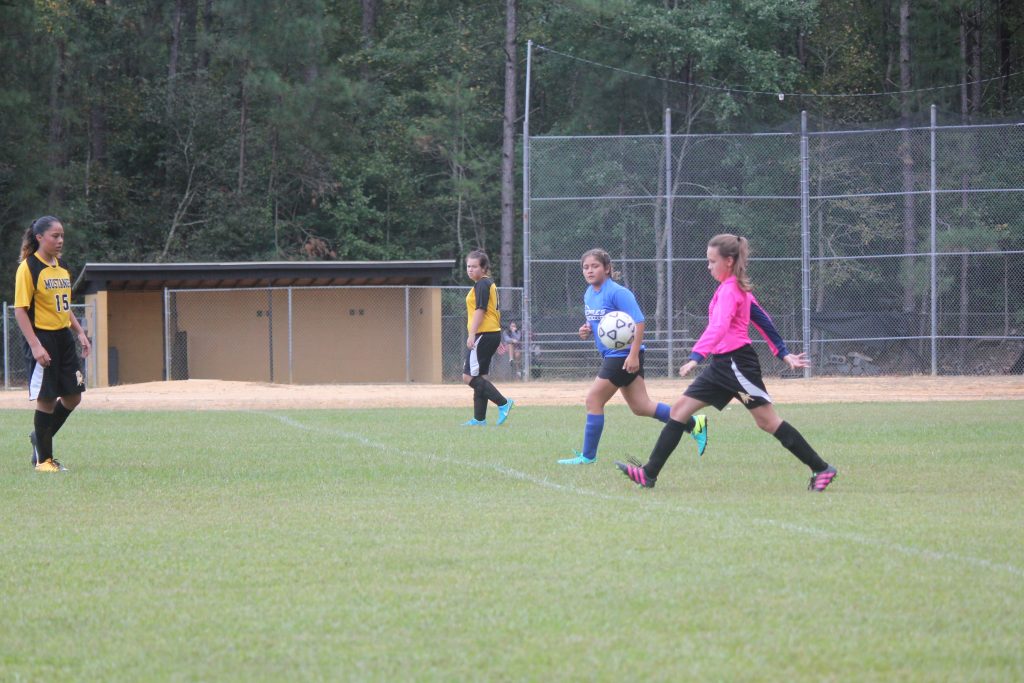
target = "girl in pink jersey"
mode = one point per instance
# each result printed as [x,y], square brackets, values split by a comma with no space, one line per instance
[734,371]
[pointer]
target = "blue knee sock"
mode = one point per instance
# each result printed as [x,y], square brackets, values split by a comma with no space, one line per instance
[592,435]
[661,412]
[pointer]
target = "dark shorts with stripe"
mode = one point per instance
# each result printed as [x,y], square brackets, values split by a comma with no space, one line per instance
[63,376]
[736,374]
[478,358]
[611,370]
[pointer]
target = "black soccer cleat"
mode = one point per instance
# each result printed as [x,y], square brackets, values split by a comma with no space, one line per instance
[635,471]
[821,480]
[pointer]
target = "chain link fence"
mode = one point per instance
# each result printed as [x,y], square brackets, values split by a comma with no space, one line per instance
[16,353]
[320,335]
[877,251]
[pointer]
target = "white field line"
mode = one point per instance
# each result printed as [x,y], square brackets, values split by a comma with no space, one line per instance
[934,555]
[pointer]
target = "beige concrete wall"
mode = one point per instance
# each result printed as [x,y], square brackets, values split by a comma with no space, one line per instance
[358,335]
[425,334]
[227,333]
[340,335]
[135,327]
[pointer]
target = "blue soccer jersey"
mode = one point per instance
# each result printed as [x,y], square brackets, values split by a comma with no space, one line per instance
[612,297]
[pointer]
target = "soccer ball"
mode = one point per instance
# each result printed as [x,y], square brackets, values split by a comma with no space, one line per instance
[616,330]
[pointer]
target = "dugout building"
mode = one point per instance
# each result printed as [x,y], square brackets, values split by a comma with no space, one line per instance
[302,322]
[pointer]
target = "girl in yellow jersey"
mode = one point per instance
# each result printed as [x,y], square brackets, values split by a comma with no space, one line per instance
[484,327]
[42,307]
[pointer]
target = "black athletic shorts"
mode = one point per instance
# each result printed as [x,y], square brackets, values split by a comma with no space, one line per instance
[478,358]
[611,370]
[63,376]
[736,374]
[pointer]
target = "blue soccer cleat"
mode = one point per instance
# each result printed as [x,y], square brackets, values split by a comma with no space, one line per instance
[578,459]
[504,410]
[700,433]
[475,423]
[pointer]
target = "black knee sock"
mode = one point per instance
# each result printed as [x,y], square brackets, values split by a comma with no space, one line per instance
[60,415]
[479,398]
[793,440]
[492,393]
[479,405]
[667,442]
[44,435]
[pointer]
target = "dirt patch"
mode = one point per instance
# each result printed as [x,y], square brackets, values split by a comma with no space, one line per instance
[201,394]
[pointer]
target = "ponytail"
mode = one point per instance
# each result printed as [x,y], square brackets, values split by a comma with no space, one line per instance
[738,249]
[29,243]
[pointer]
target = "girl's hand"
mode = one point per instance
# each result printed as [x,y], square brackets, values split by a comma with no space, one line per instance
[687,367]
[796,360]
[632,363]
[585,331]
[41,355]
[470,341]
[83,339]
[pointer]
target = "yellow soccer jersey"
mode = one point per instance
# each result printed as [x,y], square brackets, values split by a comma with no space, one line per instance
[45,290]
[484,294]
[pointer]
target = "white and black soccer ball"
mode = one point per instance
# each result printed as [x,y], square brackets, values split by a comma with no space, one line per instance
[616,330]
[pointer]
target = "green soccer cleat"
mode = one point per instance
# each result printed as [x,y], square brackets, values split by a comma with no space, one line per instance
[700,433]
[578,459]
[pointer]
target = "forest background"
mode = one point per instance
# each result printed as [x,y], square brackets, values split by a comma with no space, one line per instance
[236,130]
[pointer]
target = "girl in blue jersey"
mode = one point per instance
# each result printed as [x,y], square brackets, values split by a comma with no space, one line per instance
[622,369]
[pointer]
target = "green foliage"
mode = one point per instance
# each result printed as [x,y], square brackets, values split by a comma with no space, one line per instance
[286,133]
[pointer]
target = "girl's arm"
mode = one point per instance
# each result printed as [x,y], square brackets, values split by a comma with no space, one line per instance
[762,322]
[624,300]
[25,325]
[766,328]
[632,362]
[83,338]
[474,325]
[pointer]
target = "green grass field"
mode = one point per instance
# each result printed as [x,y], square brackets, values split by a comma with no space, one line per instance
[393,545]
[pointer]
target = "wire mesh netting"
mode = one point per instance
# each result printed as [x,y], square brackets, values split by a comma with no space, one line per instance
[878,252]
[17,356]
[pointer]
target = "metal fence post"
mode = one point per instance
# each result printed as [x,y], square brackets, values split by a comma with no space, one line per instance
[527,325]
[94,362]
[933,284]
[408,345]
[270,331]
[7,367]
[167,335]
[805,237]
[291,345]
[669,304]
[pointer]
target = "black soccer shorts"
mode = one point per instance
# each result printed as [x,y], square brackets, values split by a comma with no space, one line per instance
[736,374]
[63,376]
